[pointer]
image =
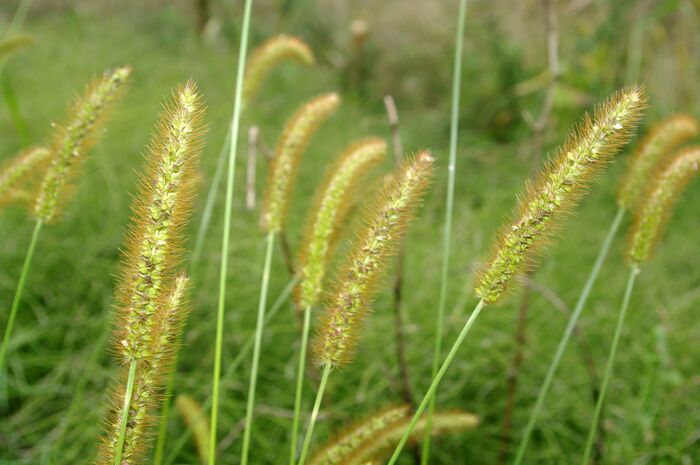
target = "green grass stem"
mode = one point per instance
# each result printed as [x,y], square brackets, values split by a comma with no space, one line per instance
[300,383]
[125,412]
[314,414]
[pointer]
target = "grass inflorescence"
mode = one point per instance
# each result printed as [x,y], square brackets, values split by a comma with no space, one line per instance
[16,172]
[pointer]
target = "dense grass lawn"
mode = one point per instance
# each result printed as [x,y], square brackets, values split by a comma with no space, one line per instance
[60,367]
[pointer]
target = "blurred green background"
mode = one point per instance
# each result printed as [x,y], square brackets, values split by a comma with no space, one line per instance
[58,349]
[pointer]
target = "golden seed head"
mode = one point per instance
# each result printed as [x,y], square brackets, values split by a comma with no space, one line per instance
[197,420]
[72,141]
[366,263]
[270,53]
[16,174]
[657,205]
[587,150]
[285,164]
[330,210]
[661,140]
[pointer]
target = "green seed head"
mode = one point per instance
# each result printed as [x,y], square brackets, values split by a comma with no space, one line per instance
[657,205]
[332,201]
[285,164]
[377,240]
[270,53]
[15,173]
[587,150]
[72,141]
[659,143]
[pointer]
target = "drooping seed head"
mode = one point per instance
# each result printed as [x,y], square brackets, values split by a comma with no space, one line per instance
[197,420]
[385,226]
[160,212]
[338,449]
[266,56]
[661,140]
[381,444]
[72,140]
[329,213]
[657,205]
[285,164]
[151,373]
[11,44]
[587,150]
[15,173]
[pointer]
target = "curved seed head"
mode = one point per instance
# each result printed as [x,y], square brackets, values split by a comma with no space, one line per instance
[587,150]
[16,173]
[273,51]
[366,263]
[657,205]
[197,420]
[285,164]
[662,138]
[330,210]
[72,141]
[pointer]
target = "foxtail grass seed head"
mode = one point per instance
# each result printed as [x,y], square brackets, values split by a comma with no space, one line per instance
[381,444]
[197,420]
[342,446]
[285,164]
[160,212]
[661,140]
[329,213]
[150,378]
[270,53]
[586,151]
[72,141]
[659,202]
[11,44]
[15,173]
[366,263]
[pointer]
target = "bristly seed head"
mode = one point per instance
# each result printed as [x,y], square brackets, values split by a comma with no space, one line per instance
[285,164]
[329,213]
[657,205]
[15,173]
[587,150]
[385,226]
[266,56]
[660,141]
[72,141]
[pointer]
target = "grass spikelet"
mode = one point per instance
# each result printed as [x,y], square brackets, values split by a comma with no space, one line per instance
[376,242]
[196,420]
[586,151]
[285,164]
[329,213]
[72,140]
[15,173]
[150,298]
[337,450]
[656,207]
[12,44]
[662,138]
[273,51]
[378,447]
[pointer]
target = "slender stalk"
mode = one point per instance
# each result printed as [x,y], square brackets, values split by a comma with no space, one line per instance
[163,420]
[233,366]
[300,383]
[447,233]
[314,414]
[226,236]
[436,380]
[18,296]
[570,327]
[256,348]
[609,367]
[125,412]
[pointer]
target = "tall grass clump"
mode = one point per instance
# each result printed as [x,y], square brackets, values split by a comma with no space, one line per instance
[16,172]
[71,142]
[151,308]
[656,207]
[330,209]
[365,265]
[559,185]
[281,178]
[651,152]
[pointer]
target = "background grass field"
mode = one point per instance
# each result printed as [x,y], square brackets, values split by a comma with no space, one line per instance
[60,366]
